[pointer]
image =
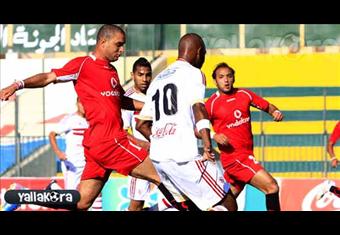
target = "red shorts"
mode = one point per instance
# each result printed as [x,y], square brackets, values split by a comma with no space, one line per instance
[120,155]
[240,170]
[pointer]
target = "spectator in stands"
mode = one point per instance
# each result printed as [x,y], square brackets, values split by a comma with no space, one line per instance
[72,160]
[107,147]
[229,113]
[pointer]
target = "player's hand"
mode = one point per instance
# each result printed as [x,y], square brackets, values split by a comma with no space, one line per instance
[208,155]
[277,115]
[61,155]
[334,162]
[7,92]
[221,139]
[69,166]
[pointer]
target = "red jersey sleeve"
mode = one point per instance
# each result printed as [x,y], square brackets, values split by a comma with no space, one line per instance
[71,70]
[257,101]
[335,134]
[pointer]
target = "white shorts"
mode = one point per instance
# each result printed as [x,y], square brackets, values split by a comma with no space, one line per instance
[138,189]
[202,182]
[71,179]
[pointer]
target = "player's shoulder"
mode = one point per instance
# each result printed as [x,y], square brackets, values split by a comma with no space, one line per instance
[213,97]
[245,91]
[79,59]
[188,68]
[180,66]
[129,92]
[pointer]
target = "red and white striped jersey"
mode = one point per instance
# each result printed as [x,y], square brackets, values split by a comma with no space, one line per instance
[72,127]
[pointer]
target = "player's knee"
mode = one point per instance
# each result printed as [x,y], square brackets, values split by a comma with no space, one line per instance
[272,187]
[83,206]
[136,205]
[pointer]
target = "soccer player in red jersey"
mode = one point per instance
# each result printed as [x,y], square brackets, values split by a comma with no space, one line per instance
[331,142]
[328,185]
[229,113]
[106,146]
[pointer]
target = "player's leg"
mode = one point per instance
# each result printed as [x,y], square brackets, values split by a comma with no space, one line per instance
[138,191]
[97,204]
[136,205]
[73,183]
[263,181]
[146,170]
[236,186]
[195,178]
[128,158]
[72,179]
[89,190]
[246,170]
[229,201]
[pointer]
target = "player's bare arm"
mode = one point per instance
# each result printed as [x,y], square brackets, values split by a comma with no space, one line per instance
[203,127]
[144,127]
[52,137]
[131,104]
[219,138]
[275,112]
[38,80]
[330,150]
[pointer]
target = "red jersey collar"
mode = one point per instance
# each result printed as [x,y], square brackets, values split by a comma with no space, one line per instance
[229,94]
[99,61]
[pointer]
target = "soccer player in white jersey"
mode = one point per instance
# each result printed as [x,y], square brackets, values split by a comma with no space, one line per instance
[174,107]
[72,127]
[138,189]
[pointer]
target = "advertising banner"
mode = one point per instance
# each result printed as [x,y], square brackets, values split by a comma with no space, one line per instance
[304,195]
[18,183]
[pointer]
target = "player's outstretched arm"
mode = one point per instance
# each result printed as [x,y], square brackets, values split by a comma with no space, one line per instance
[275,112]
[38,80]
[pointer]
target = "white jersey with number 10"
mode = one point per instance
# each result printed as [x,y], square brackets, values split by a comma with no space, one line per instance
[168,104]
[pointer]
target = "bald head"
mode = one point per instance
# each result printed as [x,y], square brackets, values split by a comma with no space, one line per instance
[107,31]
[192,49]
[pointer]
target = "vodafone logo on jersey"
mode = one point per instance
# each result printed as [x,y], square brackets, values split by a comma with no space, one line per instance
[114,83]
[239,120]
[237,114]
